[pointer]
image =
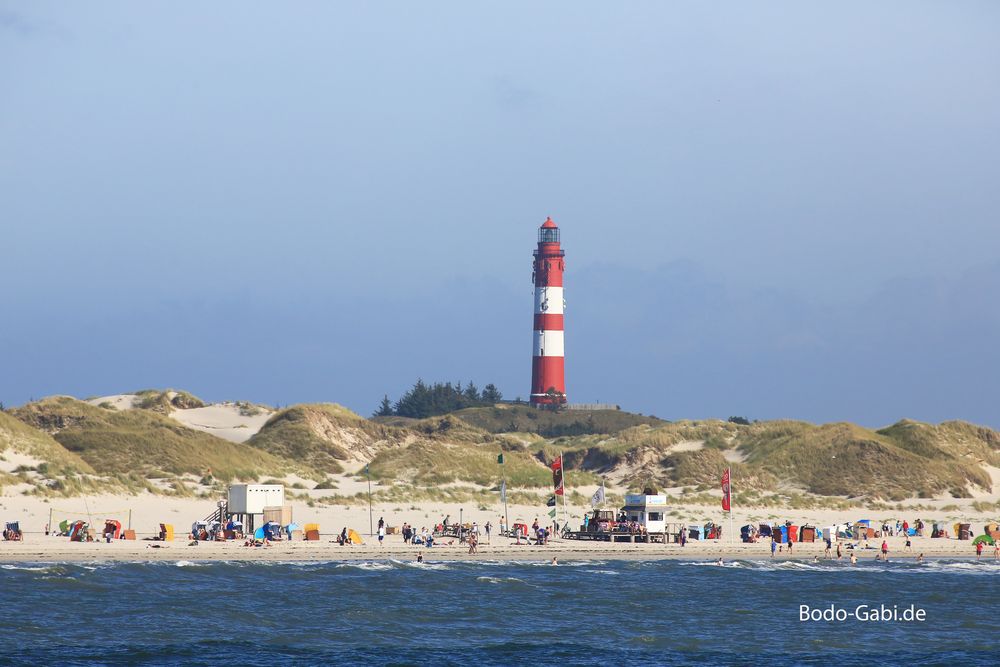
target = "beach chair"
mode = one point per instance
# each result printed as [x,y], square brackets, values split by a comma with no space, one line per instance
[13,532]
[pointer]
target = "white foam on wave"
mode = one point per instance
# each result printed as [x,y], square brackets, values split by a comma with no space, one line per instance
[26,568]
[367,566]
[605,572]
[185,563]
[499,580]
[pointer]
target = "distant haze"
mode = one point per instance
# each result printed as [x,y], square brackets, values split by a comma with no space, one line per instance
[768,209]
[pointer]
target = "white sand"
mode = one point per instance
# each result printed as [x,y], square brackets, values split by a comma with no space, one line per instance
[223,420]
[220,419]
[148,511]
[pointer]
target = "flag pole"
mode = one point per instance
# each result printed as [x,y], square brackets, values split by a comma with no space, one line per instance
[371,520]
[562,464]
[503,490]
[732,535]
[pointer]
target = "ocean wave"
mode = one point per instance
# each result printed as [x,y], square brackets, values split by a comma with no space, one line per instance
[26,568]
[501,580]
[368,566]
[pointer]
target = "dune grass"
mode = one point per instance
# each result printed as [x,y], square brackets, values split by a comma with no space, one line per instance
[322,436]
[121,442]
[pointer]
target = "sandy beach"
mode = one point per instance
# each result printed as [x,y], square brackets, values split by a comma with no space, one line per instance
[148,511]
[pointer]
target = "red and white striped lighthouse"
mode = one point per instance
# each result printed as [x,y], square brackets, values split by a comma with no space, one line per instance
[548,383]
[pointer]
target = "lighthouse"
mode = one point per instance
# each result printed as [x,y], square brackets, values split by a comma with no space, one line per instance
[548,384]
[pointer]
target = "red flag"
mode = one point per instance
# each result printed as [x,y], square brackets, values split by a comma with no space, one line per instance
[557,475]
[725,490]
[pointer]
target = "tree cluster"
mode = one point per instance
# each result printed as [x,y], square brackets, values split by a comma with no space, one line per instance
[440,398]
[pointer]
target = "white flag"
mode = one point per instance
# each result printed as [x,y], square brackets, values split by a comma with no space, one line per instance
[503,491]
[598,497]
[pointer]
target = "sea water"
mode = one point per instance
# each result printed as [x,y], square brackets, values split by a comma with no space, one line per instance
[489,612]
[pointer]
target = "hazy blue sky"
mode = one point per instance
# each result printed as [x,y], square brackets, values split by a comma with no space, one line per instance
[770,209]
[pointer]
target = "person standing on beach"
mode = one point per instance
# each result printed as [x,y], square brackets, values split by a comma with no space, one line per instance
[829,546]
[885,550]
[996,551]
[473,543]
[774,546]
[381,532]
[979,551]
[840,553]
[487,527]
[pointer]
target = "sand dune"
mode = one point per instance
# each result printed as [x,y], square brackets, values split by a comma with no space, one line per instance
[225,420]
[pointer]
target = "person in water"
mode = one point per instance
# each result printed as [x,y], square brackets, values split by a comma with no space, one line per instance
[854,558]
[554,561]
[420,557]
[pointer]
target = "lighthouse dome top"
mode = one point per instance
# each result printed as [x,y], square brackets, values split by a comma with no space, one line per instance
[548,232]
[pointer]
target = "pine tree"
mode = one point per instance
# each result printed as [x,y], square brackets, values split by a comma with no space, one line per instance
[384,408]
[491,394]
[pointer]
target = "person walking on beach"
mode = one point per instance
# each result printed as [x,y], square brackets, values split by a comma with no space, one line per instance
[885,550]
[473,543]
[996,551]
[774,546]
[381,533]
[829,546]
[979,551]
[487,527]
[381,522]
[840,553]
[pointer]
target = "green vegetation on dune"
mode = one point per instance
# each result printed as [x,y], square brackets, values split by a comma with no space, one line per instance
[788,462]
[946,440]
[323,436]
[848,460]
[551,424]
[430,462]
[164,401]
[19,437]
[135,441]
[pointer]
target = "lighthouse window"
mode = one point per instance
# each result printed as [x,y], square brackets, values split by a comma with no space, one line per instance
[548,235]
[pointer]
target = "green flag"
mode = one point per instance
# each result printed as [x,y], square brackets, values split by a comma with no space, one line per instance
[552,512]
[500,458]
